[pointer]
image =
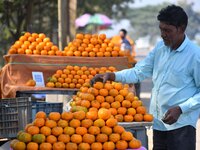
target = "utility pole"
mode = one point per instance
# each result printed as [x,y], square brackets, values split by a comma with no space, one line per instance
[66,21]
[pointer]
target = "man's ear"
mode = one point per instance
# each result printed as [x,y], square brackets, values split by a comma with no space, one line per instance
[182,28]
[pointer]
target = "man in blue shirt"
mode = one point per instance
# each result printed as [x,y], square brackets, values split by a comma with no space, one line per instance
[174,67]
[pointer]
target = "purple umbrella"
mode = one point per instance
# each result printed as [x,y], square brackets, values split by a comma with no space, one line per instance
[96,19]
[82,20]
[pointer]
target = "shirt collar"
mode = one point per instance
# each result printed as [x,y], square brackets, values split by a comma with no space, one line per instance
[183,45]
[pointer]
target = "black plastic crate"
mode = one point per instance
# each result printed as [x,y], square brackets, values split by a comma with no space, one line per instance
[47,107]
[15,113]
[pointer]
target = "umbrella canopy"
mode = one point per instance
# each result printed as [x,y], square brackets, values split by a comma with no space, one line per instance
[96,19]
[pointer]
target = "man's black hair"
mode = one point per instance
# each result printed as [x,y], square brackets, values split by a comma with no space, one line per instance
[173,15]
[124,31]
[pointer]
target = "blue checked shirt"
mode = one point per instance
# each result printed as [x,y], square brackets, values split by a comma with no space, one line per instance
[176,82]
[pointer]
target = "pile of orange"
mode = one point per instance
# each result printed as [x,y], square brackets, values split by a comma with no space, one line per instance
[123,104]
[34,44]
[80,130]
[75,76]
[87,45]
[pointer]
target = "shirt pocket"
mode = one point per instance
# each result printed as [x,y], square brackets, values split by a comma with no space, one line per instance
[176,79]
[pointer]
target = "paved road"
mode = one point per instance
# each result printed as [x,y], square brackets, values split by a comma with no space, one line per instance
[145,94]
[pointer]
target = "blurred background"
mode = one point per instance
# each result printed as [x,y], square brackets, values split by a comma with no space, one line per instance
[62,19]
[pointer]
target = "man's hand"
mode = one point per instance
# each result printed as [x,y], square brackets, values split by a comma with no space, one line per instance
[172,115]
[103,78]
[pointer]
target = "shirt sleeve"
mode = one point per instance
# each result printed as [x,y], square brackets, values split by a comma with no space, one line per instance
[193,103]
[141,71]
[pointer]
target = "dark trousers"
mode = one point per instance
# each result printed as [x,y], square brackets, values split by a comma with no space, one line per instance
[179,139]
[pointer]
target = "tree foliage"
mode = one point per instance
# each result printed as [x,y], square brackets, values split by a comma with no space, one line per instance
[108,7]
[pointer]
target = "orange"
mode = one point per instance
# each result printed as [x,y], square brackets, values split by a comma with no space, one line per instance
[45,130]
[131,111]
[19,145]
[84,146]
[124,92]
[98,85]
[127,136]
[69,130]
[75,138]
[79,36]
[126,104]
[64,138]
[59,146]
[45,146]
[104,114]
[81,130]
[148,117]
[50,123]
[85,103]
[138,117]
[108,86]
[103,92]
[86,123]
[116,104]
[102,138]
[134,143]
[114,53]
[54,116]
[136,103]
[62,123]
[71,146]
[94,130]
[119,98]
[57,131]
[39,122]
[109,146]
[118,129]
[107,54]
[118,86]
[75,123]
[80,115]
[100,98]
[106,130]
[102,36]
[109,99]
[99,123]
[113,92]
[32,146]
[95,104]
[121,110]
[88,138]
[141,110]
[111,122]
[119,117]
[93,91]
[92,115]
[121,145]
[105,105]
[113,111]
[96,146]
[93,109]
[114,137]
[130,96]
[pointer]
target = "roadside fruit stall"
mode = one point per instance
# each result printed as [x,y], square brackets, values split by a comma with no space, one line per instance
[95,111]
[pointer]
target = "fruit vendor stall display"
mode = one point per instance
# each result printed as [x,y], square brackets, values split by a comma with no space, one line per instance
[123,104]
[75,76]
[87,45]
[95,130]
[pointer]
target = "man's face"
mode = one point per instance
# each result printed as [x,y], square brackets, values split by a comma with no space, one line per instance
[121,34]
[172,36]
